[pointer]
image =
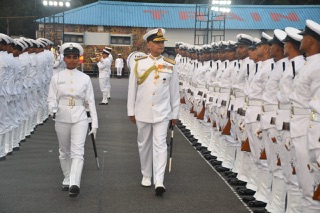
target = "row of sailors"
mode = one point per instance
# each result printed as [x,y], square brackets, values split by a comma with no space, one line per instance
[252,107]
[25,72]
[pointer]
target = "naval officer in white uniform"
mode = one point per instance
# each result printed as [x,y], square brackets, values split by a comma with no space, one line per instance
[153,100]
[69,90]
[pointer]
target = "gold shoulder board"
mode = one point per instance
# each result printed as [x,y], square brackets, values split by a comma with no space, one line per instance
[142,57]
[169,60]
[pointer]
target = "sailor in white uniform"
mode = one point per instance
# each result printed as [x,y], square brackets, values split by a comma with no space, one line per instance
[69,90]
[119,64]
[104,66]
[153,100]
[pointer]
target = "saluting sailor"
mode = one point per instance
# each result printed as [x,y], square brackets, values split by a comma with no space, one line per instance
[69,90]
[153,100]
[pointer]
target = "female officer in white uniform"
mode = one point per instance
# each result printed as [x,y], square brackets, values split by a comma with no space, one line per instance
[69,90]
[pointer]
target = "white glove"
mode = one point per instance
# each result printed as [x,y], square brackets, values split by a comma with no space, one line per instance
[287,143]
[258,132]
[241,125]
[94,132]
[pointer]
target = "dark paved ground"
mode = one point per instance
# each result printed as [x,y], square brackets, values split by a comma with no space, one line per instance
[30,179]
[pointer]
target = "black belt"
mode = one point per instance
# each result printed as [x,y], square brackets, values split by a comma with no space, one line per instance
[286,126]
[273,121]
[258,117]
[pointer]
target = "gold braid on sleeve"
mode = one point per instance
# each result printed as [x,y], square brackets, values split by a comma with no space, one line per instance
[145,75]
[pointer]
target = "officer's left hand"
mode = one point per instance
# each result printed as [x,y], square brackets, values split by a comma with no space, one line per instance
[94,132]
[174,122]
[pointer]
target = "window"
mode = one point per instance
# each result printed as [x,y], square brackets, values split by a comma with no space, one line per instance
[120,40]
[73,38]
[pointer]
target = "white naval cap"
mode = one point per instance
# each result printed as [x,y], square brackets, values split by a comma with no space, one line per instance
[71,48]
[278,37]
[155,35]
[23,42]
[244,39]
[312,28]
[19,45]
[35,43]
[108,48]
[105,51]
[293,36]
[231,45]
[5,39]
[255,41]
[265,39]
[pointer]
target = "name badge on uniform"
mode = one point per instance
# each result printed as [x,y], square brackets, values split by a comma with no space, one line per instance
[165,68]
[61,82]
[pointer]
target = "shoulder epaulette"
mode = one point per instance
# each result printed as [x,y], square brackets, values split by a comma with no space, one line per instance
[142,57]
[169,60]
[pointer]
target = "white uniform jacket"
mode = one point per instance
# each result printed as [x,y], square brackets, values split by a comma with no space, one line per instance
[119,63]
[69,84]
[104,66]
[155,100]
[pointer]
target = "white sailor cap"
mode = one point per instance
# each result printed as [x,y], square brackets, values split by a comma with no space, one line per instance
[312,28]
[23,42]
[293,36]
[119,54]
[5,39]
[34,43]
[255,41]
[108,48]
[244,39]
[71,48]
[19,45]
[278,37]
[265,39]
[105,51]
[222,45]
[29,43]
[155,35]
[231,46]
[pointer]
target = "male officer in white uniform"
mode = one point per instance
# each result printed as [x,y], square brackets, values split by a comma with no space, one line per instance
[119,65]
[104,76]
[153,100]
[69,91]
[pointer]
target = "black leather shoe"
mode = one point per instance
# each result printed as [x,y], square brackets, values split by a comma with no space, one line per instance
[200,148]
[240,187]
[65,188]
[3,158]
[74,191]
[228,173]
[236,182]
[205,152]
[10,153]
[246,192]
[221,169]
[215,162]
[160,190]
[195,144]
[261,211]
[257,203]
[248,199]
[16,149]
[23,140]
[182,126]
[234,175]
[28,136]
[210,157]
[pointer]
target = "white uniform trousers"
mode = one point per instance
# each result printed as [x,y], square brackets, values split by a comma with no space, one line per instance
[153,149]
[119,71]
[72,137]
[305,177]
